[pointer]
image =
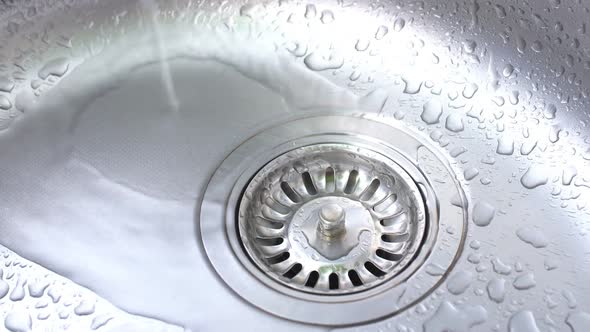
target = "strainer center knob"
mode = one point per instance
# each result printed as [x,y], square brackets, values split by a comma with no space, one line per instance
[332,221]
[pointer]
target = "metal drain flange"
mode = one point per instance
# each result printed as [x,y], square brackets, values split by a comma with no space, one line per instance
[333,214]
[331,219]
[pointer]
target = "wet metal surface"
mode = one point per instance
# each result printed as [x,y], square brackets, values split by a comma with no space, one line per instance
[116,117]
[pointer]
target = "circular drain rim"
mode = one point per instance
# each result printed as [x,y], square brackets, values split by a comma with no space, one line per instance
[278,218]
[220,235]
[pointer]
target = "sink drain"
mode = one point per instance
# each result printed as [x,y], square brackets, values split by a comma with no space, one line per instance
[333,214]
[331,219]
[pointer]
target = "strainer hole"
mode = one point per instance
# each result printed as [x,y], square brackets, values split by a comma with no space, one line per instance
[395,238]
[291,194]
[270,241]
[330,180]
[312,279]
[333,281]
[394,219]
[268,224]
[388,255]
[385,204]
[377,272]
[278,258]
[280,208]
[308,182]
[293,271]
[370,190]
[354,278]
[352,181]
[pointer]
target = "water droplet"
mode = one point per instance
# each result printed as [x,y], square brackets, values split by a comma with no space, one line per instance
[534,177]
[569,298]
[36,289]
[64,314]
[381,32]
[4,288]
[568,175]
[436,59]
[355,75]
[483,213]
[84,308]
[539,21]
[508,70]
[432,111]
[520,45]
[500,267]
[43,315]
[53,293]
[100,321]
[327,17]
[525,281]
[362,45]
[474,258]
[469,90]
[523,321]
[454,123]
[298,49]
[18,292]
[578,321]
[457,151]
[514,97]
[6,84]
[498,100]
[550,263]
[532,236]
[459,282]
[435,270]
[24,100]
[537,46]
[43,303]
[469,46]
[248,10]
[497,289]
[5,103]
[18,321]
[412,85]
[505,145]
[550,111]
[436,135]
[36,84]
[470,173]
[57,67]
[399,24]
[310,11]
[317,61]
[527,147]
[449,317]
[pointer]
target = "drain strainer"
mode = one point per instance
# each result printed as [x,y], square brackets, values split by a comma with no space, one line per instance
[333,220]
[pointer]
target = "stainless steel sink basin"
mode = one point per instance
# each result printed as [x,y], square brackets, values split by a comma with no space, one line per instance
[294,166]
